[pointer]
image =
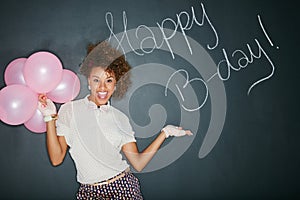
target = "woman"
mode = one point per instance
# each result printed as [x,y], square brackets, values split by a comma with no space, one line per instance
[95,132]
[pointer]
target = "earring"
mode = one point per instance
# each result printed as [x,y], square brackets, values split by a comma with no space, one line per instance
[89,87]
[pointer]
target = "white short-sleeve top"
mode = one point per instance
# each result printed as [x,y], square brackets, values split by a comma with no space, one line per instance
[95,137]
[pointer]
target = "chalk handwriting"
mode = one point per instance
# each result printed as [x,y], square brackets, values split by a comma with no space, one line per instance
[243,62]
[265,32]
[178,24]
[188,26]
[184,22]
[184,86]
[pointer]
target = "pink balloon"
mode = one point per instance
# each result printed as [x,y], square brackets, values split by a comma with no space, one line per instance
[14,72]
[67,89]
[42,72]
[18,104]
[36,123]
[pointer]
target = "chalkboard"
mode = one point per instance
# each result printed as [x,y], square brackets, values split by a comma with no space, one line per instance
[227,70]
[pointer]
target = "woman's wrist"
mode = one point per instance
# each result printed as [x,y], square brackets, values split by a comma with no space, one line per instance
[163,133]
[49,118]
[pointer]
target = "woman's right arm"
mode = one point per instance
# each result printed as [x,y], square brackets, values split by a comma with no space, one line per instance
[56,145]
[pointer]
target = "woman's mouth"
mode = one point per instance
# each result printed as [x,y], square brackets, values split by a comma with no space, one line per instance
[102,95]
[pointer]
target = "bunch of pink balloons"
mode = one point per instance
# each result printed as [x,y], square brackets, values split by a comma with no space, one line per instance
[25,79]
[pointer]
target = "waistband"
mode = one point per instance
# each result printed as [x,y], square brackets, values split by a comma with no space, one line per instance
[112,179]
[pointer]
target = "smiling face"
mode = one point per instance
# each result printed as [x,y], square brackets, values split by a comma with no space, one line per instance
[102,85]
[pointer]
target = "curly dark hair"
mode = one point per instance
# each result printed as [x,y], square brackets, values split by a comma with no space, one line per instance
[104,55]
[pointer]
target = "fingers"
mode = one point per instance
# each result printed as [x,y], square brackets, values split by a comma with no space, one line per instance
[46,107]
[41,105]
[43,99]
[177,131]
[188,132]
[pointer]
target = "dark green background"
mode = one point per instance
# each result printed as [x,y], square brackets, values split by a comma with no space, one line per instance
[257,155]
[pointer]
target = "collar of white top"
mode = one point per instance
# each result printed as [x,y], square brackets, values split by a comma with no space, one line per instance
[93,106]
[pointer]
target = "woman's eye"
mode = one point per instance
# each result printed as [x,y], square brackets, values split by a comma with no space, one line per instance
[96,80]
[109,80]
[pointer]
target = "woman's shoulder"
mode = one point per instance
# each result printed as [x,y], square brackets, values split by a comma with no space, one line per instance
[70,104]
[118,113]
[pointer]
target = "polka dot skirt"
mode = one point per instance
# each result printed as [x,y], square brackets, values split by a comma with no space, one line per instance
[126,187]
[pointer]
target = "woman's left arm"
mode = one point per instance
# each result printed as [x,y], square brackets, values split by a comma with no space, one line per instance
[139,160]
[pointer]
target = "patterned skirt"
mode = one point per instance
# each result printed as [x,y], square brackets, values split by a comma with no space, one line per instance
[126,187]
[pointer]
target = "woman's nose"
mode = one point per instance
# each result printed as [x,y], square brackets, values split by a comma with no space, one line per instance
[101,85]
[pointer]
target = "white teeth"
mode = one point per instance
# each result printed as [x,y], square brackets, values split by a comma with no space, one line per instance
[102,95]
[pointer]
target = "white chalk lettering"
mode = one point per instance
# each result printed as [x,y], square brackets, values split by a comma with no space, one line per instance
[188,81]
[184,22]
[178,26]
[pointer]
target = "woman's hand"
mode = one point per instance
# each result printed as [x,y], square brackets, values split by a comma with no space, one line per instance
[171,130]
[46,106]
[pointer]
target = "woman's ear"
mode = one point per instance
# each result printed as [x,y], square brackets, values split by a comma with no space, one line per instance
[89,83]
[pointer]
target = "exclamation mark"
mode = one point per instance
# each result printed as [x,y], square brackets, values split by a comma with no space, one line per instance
[262,27]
